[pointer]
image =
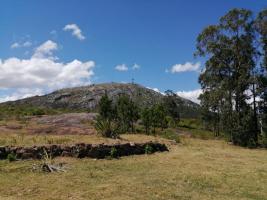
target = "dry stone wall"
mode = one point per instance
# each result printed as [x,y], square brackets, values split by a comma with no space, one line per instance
[82,150]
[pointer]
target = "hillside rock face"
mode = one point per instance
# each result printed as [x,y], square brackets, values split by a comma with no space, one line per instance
[87,97]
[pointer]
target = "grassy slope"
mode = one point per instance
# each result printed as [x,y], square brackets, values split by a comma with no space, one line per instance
[195,169]
[31,140]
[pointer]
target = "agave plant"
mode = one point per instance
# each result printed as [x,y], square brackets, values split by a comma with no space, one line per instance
[106,127]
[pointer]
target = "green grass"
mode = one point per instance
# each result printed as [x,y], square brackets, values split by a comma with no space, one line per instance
[194,169]
[195,128]
[191,123]
[21,112]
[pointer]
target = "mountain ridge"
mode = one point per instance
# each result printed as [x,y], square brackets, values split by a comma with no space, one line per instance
[87,97]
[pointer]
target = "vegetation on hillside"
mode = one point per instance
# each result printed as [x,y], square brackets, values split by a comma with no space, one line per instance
[121,117]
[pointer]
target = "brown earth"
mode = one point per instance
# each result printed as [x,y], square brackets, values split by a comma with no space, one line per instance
[62,124]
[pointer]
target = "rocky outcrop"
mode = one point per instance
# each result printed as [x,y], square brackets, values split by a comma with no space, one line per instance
[87,97]
[82,150]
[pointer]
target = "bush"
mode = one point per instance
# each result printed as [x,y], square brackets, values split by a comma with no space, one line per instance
[11,157]
[114,153]
[106,128]
[148,149]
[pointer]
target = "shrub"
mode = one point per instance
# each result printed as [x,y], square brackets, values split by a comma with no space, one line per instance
[148,149]
[11,157]
[106,128]
[114,153]
[171,135]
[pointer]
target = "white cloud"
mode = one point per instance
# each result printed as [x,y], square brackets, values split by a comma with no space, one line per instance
[45,49]
[21,94]
[42,73]
[27,44]
[18,45]
[156,90]
[76,31]
[53,32]
[191,95]
[136,66]
[15,45]
[188,66]
[121,67]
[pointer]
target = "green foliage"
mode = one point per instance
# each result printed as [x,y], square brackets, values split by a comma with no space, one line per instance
[23,111]
[171,105]
[146,117]
[118,118]
[148,149]
[114,153]
[232,75]
[106,109]
[11,157]
[191,123]
[264,140]
[107,127]
[170,134]
[127,113]
[155,116]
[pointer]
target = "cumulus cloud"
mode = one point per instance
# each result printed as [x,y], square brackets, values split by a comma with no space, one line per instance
[42,73]
[156,90]
[188,66]
[21,94]
[45,49]
[191,95]
[76,31]
[121,67]
[136,66]
[18,45]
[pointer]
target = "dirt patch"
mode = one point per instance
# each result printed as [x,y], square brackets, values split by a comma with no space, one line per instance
[62,124]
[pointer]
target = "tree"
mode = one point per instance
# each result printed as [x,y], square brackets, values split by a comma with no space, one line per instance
[229,75]
[261,25]
[127,113]
[106,123]
[159,116]
[106,109]
[146,117]
[170,104]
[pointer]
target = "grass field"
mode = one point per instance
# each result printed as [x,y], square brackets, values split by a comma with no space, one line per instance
[194,169]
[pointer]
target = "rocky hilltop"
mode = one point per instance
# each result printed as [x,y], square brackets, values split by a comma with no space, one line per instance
[87,97]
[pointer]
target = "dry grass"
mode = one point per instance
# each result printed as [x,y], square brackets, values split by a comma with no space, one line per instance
[196,169]
[31,140]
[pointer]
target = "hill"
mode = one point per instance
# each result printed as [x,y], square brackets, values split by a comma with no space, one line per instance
[86,98]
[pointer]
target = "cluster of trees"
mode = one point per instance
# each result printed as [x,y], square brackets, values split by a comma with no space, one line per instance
[121,115]
[234,81]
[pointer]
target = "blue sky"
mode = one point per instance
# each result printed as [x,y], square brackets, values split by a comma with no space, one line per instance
[46,45]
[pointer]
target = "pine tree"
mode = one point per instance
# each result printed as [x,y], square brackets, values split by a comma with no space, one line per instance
[106,123]
[146,117]
[127,113]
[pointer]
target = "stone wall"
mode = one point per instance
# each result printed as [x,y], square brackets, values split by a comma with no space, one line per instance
[82,150]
